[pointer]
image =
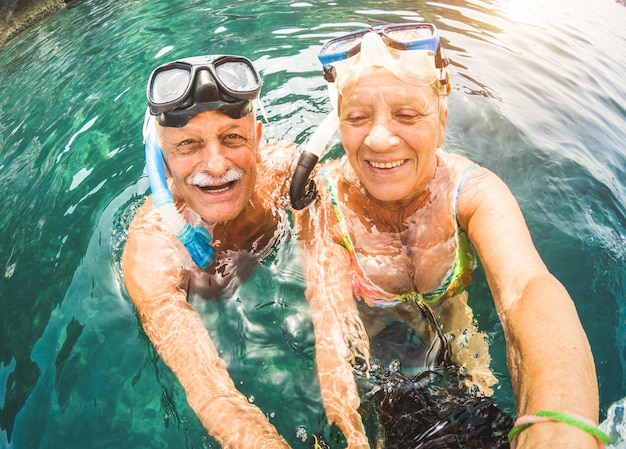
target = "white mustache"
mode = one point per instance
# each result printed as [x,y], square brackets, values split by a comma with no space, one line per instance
[205,179]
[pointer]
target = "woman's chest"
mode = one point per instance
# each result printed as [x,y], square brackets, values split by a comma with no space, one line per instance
[416,255]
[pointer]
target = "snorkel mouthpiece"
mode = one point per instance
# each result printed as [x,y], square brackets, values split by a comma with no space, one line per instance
[198,243]
[197,239]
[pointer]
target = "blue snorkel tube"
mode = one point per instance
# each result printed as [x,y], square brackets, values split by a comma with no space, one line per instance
[197,239]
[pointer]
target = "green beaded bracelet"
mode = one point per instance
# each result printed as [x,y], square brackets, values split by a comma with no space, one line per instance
[547,415]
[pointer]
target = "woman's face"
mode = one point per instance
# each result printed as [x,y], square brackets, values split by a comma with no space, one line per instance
[391,131]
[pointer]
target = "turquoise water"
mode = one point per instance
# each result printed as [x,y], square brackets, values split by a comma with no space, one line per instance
[539,98]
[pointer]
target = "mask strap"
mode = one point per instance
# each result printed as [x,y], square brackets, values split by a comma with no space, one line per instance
[196,239]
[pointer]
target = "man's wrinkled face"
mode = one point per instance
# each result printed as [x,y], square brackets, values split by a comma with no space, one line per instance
[212,161]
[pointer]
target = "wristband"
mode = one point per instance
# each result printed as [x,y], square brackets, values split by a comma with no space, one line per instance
[586,425]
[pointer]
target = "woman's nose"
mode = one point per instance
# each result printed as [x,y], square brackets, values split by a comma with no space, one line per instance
[380,138]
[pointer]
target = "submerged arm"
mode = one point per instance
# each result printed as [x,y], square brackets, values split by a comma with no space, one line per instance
[548,353]
[339,332]
[153,278]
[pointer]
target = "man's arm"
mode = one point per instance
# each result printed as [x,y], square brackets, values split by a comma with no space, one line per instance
[339,331]
[548,353]
[153,279]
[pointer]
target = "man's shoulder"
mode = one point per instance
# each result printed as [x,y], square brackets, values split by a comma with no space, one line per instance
[276,168]
[278,155]
[147,220]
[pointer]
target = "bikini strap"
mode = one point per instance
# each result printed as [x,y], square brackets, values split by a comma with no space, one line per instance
[458,190]
[332,190]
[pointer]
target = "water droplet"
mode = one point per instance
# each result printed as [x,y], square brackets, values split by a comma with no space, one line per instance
[302,433]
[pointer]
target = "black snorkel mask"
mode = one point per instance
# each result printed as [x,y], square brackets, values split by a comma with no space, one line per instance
[179,90]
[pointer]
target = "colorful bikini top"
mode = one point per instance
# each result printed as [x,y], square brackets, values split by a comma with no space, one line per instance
[365,290]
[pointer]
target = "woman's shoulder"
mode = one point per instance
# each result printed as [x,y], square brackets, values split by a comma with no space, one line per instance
[472,173]
[455,163]
[333,169]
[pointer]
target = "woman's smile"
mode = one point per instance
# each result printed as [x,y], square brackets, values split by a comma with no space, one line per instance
[387,165]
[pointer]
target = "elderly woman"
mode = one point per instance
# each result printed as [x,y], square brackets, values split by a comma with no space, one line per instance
[393,236]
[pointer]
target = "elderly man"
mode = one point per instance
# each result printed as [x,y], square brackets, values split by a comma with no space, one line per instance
[205,228]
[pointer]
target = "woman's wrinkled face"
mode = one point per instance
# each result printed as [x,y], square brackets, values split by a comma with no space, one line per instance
[212,161]
[391,131]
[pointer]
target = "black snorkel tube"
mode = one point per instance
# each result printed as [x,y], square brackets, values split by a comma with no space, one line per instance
[302,190]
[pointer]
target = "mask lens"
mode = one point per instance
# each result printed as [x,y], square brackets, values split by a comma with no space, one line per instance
[412,37]
[237,76]
[409,35]
[343,44]
[170,85]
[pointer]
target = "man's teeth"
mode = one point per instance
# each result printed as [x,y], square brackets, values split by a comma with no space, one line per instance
[213,189]
[386,164]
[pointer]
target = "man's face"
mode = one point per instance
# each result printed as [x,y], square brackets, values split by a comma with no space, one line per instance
[212,161]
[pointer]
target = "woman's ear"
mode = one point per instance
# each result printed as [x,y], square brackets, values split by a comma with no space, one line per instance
[443,118]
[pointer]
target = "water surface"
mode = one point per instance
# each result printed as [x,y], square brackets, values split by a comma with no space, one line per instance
[538,97]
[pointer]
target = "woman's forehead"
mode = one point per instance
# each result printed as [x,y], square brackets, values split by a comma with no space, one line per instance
[382,83]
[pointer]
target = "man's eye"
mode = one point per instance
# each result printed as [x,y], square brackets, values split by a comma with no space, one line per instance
[234,140]
[186,146]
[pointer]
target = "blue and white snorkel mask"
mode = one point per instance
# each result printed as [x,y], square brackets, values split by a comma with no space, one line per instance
[176,92]
[411,51]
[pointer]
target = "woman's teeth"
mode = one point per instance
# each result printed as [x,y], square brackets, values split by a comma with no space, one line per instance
[386,164]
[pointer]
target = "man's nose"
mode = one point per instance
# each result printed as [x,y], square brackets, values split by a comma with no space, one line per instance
[215,161]
[380,138]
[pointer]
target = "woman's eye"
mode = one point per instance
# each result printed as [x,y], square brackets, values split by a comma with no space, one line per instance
[406,114]
[357,118]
